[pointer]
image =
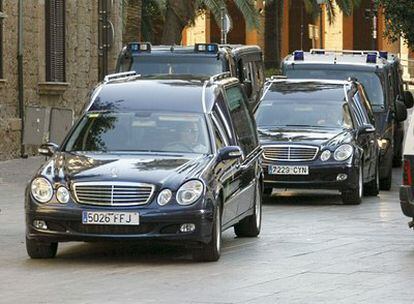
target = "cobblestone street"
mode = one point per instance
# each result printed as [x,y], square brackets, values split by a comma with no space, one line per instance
[312,250]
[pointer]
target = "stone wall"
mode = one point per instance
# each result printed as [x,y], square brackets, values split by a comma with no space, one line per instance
[81,63]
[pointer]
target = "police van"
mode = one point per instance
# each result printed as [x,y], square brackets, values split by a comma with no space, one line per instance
[203,59]
[377,75]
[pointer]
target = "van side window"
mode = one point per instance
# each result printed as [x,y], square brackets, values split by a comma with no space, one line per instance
[242,119]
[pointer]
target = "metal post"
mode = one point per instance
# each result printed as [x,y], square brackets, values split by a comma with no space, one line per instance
[20,75]
[374,25]
[320,27]
[103,38]
[223,32]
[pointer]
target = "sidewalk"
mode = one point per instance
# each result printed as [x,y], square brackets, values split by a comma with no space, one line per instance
[19,170]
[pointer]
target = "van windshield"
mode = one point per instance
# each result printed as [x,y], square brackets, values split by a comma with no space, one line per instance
[369,80]
[156,65]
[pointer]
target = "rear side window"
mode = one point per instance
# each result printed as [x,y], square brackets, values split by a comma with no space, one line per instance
[242,120]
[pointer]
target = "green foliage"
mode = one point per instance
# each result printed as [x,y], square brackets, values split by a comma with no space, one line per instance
[400,19]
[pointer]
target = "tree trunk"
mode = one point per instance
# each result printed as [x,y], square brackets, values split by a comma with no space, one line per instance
[133,15]
[273,23]
[178,15]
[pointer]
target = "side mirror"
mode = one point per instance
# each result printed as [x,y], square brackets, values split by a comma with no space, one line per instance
[48,149]
[230,152]
[247,87]
[366,129]
[408,99]
[400,111]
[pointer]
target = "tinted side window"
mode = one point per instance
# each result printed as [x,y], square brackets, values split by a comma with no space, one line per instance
[242,119]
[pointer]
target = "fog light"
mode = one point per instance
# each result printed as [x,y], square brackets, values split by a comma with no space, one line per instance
[40,224]
[341,177]
[187,227]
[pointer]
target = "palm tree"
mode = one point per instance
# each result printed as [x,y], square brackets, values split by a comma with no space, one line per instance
[273,22]
[180,13]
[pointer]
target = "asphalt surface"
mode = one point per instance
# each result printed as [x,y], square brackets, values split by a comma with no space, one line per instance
[312,249]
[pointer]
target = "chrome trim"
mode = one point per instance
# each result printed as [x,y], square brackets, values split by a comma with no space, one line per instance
[95,192]
[315,148]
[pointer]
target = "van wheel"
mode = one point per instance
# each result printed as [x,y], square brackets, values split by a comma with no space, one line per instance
[211,252]
[372,188]
[385,183]
[251,225]
[354,196]
[41,250]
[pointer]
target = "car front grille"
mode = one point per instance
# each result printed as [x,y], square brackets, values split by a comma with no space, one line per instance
[290,153]
[112,193]
[110,229]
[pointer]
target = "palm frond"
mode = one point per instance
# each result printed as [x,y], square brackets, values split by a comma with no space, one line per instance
[250,13]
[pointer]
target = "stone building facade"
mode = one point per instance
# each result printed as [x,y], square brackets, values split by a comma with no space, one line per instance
[81,61]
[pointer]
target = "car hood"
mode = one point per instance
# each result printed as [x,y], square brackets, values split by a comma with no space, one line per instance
[145,168]
[306,136]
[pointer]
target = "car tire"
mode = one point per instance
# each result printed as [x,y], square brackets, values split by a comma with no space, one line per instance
[354,196]
[251,225]
[385,183]
[210,252]
[267,191]
[372,188]
[41,250]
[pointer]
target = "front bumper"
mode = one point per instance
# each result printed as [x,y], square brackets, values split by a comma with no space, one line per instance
[163,224]
[321,176]
[407,201]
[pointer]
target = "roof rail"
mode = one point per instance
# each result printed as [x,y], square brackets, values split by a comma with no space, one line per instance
[344,52]
[111,77]
[220,76]
[276,77]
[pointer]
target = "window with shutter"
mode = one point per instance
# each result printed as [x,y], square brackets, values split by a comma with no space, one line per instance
[55,40]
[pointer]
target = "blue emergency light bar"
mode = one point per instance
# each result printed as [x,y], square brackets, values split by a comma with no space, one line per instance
[371,58]
[212,48]
[383,54]
[138,47]
[298,55]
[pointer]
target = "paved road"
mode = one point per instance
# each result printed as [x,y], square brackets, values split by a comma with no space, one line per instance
[311,250]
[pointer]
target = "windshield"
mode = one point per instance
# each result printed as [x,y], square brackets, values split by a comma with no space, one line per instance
[369,80]
[306,113]
[140,132]
[194,65]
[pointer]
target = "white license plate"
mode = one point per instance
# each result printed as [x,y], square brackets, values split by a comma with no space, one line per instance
[110,218]
[289,170]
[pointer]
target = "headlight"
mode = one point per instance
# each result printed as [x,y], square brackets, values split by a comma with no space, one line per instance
[343,152]
[190,192]
[383,143]
[62,195]
[41,189]
[325,155]
[164,197]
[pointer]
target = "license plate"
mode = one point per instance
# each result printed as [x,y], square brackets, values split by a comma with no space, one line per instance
[289,170]
[110,218]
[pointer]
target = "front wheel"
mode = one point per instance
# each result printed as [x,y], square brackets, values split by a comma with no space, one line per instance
[372,188]
[40,250]
[211,252]
[354,196]
[251,225]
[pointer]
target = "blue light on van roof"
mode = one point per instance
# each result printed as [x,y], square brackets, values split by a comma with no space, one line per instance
[206,47]
[372,58]
[383,54]
[137,47]
[298,55]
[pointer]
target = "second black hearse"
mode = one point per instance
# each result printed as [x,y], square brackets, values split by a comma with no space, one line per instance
[318,135]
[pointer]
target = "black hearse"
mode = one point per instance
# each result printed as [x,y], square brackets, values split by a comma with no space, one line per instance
[244,62]
[318,134]
[375,74]
[180,161]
